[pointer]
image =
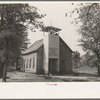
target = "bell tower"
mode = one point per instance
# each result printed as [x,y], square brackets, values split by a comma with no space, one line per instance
[51,49]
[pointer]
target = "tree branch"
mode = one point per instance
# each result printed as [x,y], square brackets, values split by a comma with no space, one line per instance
[89,10]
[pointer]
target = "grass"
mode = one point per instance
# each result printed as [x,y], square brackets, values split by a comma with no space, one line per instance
[86,70]
[82,74]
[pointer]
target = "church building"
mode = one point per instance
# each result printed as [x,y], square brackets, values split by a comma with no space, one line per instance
[50,54]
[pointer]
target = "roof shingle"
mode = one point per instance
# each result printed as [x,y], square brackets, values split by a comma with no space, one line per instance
[34,47]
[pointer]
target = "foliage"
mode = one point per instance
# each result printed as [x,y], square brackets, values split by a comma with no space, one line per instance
[89,60]
[89,20]
[15,19]
[76,59]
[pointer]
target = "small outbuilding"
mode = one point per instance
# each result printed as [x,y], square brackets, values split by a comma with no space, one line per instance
[50,54]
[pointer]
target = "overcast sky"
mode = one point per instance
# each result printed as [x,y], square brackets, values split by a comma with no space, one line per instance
[56,13]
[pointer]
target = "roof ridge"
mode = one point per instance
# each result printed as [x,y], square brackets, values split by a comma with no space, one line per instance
[37,44]
[34,43]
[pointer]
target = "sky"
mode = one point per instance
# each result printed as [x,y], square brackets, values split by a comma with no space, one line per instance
[56,14]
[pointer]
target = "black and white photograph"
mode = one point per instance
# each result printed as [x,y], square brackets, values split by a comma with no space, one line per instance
[50,42]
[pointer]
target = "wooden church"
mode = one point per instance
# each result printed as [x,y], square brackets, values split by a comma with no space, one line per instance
[50,54]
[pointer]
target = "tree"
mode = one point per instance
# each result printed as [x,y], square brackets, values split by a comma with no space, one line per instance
[88,59]
[89,19]
[76,59]
[15,19]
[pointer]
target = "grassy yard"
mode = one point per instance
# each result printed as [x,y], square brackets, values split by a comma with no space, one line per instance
[86,69]
[82,74]
[19,76]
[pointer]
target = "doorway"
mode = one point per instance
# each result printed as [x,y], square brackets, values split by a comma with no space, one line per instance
[53,65]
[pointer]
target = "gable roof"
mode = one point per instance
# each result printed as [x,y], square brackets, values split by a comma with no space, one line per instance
[66,44]
[35,46]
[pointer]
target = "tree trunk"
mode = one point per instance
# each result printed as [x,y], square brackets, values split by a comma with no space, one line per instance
[98,65]
[1,69]
[16,64]
[4,72]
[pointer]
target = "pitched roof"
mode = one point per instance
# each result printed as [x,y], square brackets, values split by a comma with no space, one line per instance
[35,46]
[66,45]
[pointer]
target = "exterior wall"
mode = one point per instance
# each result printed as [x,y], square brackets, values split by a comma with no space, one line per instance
[54,51]
[65,58]
[46,53]
[53,46]
[30,62]
[40,60]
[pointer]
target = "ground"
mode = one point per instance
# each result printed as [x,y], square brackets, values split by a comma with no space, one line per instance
[83,74]
[28,77]
[19,76]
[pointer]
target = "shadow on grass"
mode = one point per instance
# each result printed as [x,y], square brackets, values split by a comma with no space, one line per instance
[85,74]
[75,80]
[77,74]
